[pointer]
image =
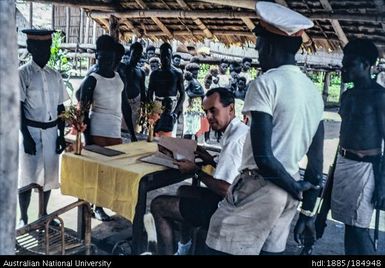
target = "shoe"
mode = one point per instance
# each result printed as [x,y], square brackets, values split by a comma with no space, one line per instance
[20,224]
[101,215]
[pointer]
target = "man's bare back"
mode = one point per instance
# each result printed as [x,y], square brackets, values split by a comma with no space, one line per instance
[361,120]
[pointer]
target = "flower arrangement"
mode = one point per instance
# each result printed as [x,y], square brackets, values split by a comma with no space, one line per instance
[149,114]
[74,116]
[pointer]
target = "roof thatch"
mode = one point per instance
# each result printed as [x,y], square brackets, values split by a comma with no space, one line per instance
[231,21]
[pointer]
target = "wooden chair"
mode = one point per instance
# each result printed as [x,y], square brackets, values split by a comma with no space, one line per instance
[41,238]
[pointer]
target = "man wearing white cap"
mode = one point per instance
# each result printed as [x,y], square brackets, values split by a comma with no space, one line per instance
[286,123]
[42,94]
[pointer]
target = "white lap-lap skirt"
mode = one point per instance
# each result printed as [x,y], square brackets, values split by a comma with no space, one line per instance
[352,192]
[42,168]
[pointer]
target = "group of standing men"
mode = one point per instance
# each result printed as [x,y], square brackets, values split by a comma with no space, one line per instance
[251,211]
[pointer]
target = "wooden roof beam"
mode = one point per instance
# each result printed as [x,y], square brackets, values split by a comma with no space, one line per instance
[105,6]
[249,23]
[165,13]
[248,4]
[380,4]
[335,23]
[196,20]
[156,19]
[131,26]
[200,32]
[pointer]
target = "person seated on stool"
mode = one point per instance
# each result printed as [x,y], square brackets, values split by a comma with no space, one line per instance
[195,205]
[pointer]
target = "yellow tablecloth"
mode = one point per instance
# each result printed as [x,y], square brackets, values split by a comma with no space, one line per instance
[110,182]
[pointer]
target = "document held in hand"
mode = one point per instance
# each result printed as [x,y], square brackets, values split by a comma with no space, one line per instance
[171,150]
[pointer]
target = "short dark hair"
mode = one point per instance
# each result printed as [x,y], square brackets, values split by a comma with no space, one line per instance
[225,61]
[289,44]
[165,46]
[242,78]
[194,60]
[362,48]
[105,42]
[150,47]
[247,59]
[137,46]
[192,66]
[176,56]
[119,50]
[225,95]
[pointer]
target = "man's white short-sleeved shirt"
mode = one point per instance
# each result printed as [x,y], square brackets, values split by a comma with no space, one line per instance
[230,158]
[296,107]
[41,90]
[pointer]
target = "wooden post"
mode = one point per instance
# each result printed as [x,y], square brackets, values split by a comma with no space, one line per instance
[9,126]
[30,15]
[68,15]
[53,17]
[325,91]
[94,33]
[114,28]
[81,30]
[86,35]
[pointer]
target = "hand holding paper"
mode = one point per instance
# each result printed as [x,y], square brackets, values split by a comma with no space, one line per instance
[171,149]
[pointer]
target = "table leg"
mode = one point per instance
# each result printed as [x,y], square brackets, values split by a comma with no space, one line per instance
[81,229]
[138,242]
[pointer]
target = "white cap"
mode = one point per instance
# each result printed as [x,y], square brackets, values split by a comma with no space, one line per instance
[281,20]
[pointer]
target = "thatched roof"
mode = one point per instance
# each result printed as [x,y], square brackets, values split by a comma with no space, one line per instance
[231,21]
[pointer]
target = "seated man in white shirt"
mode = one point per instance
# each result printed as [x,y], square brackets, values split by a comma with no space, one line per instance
[195,205]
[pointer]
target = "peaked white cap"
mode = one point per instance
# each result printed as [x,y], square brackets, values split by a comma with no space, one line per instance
[281,20]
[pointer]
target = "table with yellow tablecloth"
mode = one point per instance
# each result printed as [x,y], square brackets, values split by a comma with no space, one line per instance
[110,182]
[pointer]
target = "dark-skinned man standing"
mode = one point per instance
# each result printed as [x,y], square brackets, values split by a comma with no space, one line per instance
[167,82]
[286,123]
[42,94]
[135,77]
[359,182]
[102,93]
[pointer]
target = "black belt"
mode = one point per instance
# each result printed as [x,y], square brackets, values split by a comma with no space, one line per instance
[250,172]
[42,125]
[352,156]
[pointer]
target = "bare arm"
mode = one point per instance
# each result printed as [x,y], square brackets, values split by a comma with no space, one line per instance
[313,172]
[142,87]
[151,88]
[379,191]
[220,187]
[127,112]
[86,97]
[181,91]
[28,142]
[60,142]
[270,167]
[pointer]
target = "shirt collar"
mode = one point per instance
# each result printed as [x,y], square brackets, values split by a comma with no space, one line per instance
[229,129]
[37,67]
[286,67]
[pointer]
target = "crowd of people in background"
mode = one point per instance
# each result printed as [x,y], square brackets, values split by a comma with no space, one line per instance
[139,63]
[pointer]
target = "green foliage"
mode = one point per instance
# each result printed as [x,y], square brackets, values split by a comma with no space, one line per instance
[60,62]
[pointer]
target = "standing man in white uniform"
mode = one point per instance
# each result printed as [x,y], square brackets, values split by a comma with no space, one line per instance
[286,123]
[42,94]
